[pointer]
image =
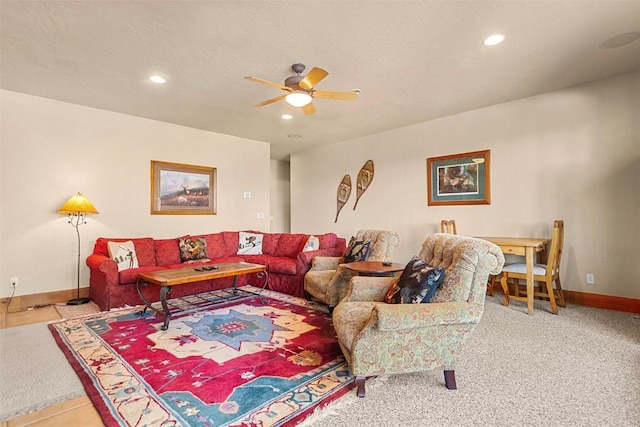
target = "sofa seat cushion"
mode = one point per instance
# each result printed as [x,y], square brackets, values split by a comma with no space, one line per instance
[282,265]
[278,265]
[349,319]
[258,259]
[130,276]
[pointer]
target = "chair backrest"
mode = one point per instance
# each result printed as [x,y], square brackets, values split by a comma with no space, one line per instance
[383,243]
[555,251]
[448,226]
[467,261]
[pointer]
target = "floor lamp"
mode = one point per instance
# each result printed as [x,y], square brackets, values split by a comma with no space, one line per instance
[77,208]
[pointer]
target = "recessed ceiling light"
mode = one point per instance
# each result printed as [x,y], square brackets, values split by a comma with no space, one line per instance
[493,40]
[287,116]
[158,79]
[357,91]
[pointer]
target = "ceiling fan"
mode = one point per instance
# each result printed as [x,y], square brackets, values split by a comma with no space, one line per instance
[301,89]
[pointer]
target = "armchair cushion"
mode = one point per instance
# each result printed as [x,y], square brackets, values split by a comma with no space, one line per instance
[418,283]
[358,250]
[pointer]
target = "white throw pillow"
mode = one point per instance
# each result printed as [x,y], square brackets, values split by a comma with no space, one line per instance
[313,244]
[249,243]
[124,254]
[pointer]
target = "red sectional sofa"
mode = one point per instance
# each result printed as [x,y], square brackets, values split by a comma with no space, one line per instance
[281,253]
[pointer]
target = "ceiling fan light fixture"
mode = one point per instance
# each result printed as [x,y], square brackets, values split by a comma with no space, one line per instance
[298,99]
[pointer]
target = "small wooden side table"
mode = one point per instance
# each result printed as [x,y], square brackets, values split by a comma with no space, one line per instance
[375,268]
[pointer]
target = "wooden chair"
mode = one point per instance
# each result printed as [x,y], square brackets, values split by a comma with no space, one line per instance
[448,226]
[547,274]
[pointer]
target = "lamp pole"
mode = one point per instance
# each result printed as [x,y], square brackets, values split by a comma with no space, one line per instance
[76,220]
[76,209]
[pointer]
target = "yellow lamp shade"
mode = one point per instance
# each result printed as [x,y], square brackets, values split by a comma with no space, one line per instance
[77,204]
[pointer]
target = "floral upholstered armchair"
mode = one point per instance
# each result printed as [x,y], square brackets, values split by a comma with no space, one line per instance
[378,338]
[327,281]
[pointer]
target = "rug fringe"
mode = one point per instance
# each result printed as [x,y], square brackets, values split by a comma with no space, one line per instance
[331,409]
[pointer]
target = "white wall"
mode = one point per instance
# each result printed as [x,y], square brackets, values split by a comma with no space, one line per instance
[280,197]
[571,154]
[50,150]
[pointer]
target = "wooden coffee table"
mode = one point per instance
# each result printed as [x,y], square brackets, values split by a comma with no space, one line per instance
[167,279]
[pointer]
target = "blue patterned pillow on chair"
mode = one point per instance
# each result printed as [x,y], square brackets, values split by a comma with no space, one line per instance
[358,250]
[418,283]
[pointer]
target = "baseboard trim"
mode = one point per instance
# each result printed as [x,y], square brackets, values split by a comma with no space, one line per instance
[23,302]
[609,302]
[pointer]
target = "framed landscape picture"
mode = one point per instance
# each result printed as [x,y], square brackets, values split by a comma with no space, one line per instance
[180,189]
[459,179]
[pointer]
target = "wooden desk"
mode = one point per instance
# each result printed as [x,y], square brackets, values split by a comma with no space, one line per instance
[522,246]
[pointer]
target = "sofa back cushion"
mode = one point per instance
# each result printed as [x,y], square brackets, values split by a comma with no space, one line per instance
[328,240]
[167,251]
[145,249]
[231,241]
[290,245]
[270,243]
[216,247]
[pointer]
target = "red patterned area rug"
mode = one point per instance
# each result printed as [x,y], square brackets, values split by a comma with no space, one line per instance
[239,364]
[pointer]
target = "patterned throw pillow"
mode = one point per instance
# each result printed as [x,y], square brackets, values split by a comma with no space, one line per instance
[124,254]
[249,243]
[358,250]
[193,249]
[313,244]
[418,283]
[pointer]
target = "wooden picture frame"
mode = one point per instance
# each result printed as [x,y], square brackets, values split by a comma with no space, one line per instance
[181,189]
[459,179]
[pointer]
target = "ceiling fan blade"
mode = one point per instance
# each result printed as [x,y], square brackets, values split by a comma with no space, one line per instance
[313,78]
[266,82]
[340,96]
[270,101]
[309,109]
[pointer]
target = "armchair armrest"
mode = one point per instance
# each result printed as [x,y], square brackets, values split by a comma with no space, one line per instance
[366,289]
[397,317]
[305,260]
[320,263]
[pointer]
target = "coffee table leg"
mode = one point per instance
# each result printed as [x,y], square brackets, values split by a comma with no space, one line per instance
[164,292]
[146,302]
[235,284]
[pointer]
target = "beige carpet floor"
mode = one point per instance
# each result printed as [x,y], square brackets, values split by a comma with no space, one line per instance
[580,368]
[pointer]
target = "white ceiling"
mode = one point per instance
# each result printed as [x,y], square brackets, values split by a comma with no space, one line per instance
[413,60]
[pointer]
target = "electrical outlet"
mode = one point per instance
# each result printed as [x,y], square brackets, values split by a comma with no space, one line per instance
[13,281]
[260,215]
[591,279]
[247,194]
